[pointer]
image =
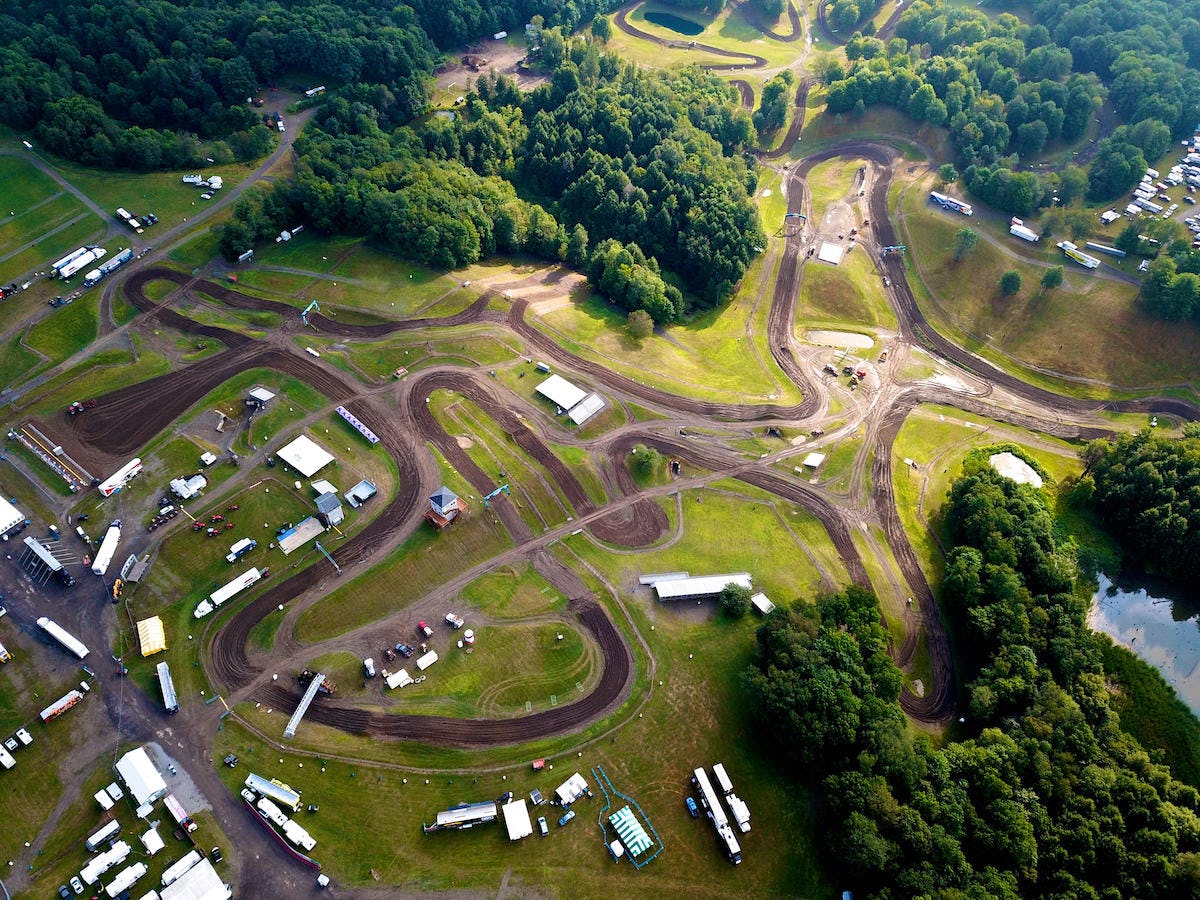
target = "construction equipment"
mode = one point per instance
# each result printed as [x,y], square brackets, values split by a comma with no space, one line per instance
[312,307]
[503,489]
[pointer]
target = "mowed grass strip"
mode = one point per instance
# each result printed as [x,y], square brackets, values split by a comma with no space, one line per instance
[763,548]
[513,591]
[34,222]
[710,356]
[67,330]
[831,181]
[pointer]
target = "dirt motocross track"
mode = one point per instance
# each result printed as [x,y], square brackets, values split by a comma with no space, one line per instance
[128,418]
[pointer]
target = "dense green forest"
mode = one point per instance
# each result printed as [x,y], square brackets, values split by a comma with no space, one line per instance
[1007,90]
[1048,797]
[623,172]
[1146,489]
[140,84]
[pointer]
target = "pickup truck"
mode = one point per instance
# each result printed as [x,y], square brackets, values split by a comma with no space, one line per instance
[454,621]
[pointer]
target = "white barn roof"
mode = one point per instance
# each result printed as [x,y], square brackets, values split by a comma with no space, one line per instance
[516,820]
[305,456]
[814,459]
[560,391]
[703,586]
[586,408]
[200,882]
[141,776]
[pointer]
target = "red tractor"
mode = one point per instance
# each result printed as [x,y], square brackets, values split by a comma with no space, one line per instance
[197,526]
[216,518]
[75,408]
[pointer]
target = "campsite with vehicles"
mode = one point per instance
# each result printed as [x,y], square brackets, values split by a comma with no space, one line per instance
[647,449]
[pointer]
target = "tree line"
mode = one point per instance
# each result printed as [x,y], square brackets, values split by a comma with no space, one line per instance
[1146,489]
[638,178]
[161,83]
[1006,90]
[1044,794]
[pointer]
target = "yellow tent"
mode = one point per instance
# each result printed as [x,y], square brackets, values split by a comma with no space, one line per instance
[151,636]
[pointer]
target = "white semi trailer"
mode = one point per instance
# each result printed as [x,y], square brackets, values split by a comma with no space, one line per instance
[108,548]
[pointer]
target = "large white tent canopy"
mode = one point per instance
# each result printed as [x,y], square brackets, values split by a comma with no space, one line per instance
[305,455]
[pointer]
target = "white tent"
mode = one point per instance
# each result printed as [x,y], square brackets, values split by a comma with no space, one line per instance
[152,842]
[200,882]
[141,776]
[10,516]
[561,392]
[571,790]
[305,456]
[516,820]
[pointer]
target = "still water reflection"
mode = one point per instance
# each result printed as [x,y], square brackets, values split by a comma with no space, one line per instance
[1162,630]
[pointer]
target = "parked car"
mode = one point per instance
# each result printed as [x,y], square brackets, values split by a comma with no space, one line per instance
[567,818]
[64,892]
[543,828]
[454,621]
[369,667]
[423,629]
[76,885]
[692,808]
[404,650]
[230,760]
[217,855]
[504,798]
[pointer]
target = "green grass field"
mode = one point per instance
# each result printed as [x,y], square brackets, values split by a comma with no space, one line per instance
[847,295]
[513,592]
[98,374]
[161,193]
[710,356]
[1089,328]
[67,330]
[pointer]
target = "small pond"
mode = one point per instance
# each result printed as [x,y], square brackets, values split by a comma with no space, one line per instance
[1162,630]
[675,23]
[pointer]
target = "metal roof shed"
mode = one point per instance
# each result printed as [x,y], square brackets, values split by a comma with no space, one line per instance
[262,395]
[703,586]
[586,408]
[761,603]
[200,882]
[516,820]
[141,776]
[558,390]
[360,493]
[305,456]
